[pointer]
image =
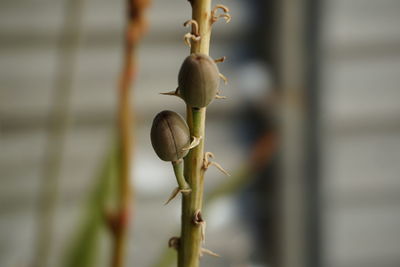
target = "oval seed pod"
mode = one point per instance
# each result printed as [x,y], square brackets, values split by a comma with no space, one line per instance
[169,135]
[198,80]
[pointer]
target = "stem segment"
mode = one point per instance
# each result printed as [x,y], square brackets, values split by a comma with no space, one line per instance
[180,178]
[191,233]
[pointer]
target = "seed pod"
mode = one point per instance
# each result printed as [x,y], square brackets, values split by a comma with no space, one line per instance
[169,135]
[198,80]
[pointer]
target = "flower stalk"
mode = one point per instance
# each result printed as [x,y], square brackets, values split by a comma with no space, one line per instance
[198,83]
[192,231]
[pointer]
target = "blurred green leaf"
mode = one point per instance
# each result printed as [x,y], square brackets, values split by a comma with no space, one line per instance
[84,249]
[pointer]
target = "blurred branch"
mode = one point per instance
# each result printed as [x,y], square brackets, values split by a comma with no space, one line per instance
[135,28]
[58,123]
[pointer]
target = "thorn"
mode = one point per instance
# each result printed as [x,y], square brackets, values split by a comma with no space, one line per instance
[175,192]
[195,142]
[226,14]
[169,93]
[195,36]
[219,167]
[207,163]
[220,60]
[209,252]
[173,242]
[223,77]
[173,93]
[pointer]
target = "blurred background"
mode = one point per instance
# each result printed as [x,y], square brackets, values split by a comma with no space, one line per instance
[310,133]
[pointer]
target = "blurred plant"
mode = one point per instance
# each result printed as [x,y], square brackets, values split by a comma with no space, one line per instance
[198,84]
[58,120]
[84,249]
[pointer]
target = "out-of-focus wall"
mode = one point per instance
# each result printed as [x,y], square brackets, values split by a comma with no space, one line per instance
[361,133]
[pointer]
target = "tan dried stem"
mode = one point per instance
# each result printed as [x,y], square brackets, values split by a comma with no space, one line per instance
[136,26]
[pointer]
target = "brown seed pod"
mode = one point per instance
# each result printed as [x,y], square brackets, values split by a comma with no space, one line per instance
[170,135]
[198,80]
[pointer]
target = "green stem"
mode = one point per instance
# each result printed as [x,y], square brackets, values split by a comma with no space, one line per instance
[180,178]
[190,245]
[191,235]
